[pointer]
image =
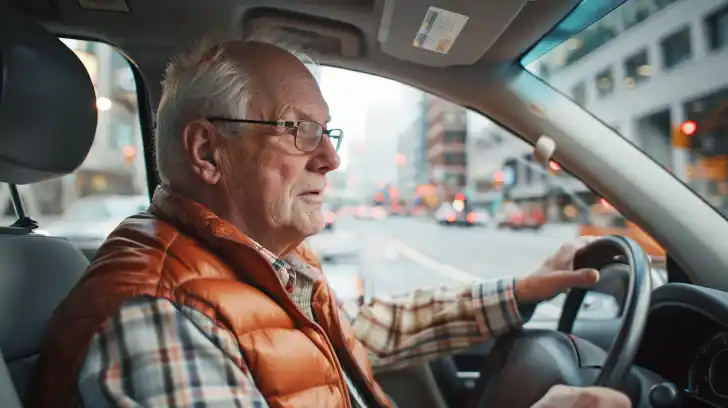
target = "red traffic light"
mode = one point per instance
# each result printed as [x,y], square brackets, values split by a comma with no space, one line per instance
[688,127]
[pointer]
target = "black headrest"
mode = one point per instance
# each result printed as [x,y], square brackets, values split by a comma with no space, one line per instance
[47,104]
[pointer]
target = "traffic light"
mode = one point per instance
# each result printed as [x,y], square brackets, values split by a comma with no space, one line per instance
[689,127]
[554,167]
[681,134]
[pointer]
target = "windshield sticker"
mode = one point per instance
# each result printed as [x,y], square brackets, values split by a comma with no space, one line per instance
[439,30]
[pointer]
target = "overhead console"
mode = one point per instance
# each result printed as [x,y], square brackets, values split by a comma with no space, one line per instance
[452,33]
[325,39]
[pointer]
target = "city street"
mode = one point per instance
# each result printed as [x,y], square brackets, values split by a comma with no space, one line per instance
[400,254]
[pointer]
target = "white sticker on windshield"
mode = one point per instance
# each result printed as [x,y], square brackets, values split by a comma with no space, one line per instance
[439,30]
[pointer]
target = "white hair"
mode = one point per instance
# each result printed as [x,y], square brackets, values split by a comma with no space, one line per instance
[204,82]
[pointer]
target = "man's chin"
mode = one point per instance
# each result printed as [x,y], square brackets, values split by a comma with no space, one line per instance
[311,228]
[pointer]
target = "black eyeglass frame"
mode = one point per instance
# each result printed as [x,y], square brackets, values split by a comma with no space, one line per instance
[294,125]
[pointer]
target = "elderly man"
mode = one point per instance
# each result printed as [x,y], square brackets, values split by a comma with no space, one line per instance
[208,300]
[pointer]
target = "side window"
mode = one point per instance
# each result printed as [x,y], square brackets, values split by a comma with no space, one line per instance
[434,194]
[86,205]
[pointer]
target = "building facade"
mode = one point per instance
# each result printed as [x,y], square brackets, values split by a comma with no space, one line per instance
[647,69]
[446,141]
[412,161]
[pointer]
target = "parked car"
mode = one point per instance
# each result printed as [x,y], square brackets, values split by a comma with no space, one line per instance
[448,214]
[88,221]
[517,217]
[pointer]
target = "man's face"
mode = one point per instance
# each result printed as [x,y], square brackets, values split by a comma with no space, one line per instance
[275,188]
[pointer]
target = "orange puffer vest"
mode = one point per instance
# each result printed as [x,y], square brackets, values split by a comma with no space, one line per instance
[182,252]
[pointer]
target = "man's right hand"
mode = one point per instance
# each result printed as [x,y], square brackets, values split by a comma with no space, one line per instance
[561,396]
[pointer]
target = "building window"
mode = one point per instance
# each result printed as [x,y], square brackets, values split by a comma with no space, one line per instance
[455,120]
[605,83]
[664,3]
[455,179]
[591,38]
[455,136]
[637,11]
[637,69]
[483,186]
[578,93]
[454,159]
[123,135]
[543,71]
[718,29]
[676,48]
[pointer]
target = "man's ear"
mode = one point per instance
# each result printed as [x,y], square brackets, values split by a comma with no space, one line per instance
[200,140]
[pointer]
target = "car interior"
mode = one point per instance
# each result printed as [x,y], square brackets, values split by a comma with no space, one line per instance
[661,350]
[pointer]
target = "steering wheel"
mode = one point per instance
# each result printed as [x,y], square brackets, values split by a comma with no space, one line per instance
[523,365]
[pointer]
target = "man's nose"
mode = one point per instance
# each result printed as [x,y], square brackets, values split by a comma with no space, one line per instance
[325,158]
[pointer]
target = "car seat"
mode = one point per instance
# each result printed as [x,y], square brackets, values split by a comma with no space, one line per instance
[47,125]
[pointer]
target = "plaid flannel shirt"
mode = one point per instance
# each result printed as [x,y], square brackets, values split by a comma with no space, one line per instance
[155,353]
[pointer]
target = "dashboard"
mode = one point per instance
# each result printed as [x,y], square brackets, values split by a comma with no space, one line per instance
[685,342]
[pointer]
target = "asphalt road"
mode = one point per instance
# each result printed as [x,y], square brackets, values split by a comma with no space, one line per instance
[401,254]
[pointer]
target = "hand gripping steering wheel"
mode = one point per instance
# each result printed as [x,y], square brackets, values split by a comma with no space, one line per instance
[523,365]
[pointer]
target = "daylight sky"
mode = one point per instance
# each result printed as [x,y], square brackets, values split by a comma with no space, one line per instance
[349,95]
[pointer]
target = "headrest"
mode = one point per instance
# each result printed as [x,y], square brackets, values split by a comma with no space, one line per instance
[47,104]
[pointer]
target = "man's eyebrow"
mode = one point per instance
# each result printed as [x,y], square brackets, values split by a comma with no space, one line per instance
[304,116]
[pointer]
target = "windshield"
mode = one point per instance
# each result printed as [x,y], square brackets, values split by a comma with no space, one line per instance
[655,71]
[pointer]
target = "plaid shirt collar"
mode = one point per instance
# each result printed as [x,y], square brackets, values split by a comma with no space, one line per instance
[283,269]
[288,267]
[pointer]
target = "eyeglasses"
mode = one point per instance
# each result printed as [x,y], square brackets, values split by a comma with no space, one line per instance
[306,133]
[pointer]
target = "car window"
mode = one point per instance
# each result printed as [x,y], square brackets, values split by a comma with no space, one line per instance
[115,164]
[416,158]
[666,89]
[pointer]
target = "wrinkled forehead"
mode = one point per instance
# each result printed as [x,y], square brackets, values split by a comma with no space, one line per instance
[287,92]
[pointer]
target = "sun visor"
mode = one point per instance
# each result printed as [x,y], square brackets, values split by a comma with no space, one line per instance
[47,104]
[446,33]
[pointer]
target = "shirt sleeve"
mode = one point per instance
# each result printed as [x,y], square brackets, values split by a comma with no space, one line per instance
[154,353]
[407,329]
